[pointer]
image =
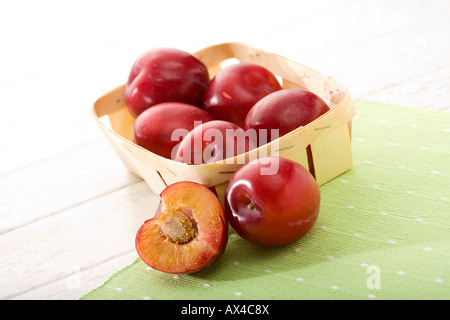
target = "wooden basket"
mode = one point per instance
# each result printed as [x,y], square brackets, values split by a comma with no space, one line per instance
[329,136]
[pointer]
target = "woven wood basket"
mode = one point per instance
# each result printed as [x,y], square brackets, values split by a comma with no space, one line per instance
[329,136]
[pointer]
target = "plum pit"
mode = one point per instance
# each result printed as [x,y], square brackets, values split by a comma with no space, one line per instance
[177,227]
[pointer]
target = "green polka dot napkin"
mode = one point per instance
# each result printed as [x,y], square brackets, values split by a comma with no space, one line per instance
[383,231]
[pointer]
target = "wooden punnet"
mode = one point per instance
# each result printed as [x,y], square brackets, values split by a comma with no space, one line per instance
[329,136]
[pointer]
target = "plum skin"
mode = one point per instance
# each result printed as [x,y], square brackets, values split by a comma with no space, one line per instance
[272,210]
[153,129]
[235,89]
[165,75]
[285,110]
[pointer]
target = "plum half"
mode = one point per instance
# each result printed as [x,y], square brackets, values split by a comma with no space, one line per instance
[188,233]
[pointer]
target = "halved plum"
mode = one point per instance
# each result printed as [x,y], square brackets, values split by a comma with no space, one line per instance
[188,233]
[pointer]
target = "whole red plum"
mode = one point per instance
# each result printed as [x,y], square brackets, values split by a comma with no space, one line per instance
[272,201]
[214,141]
[235,89]
[165,75]
[162,127]
[284,110]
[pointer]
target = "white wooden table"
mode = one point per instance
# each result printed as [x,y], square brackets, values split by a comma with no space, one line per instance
[69,210]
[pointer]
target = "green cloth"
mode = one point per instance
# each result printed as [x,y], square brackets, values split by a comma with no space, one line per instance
[383,231]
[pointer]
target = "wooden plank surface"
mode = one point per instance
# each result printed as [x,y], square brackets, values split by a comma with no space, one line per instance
[69,210]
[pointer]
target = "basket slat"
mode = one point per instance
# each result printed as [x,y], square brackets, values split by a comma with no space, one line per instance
[298,155]
[331,154]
